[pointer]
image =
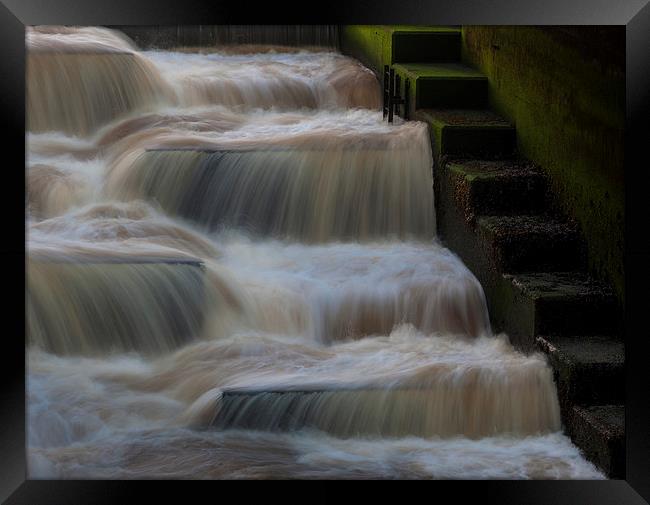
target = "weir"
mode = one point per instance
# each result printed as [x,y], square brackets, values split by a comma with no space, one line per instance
[230,241]
[342,193]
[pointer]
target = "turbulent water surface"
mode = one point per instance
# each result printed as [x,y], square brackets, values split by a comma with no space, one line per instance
[233,273]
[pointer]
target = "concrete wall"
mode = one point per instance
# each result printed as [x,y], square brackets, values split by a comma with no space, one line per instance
[370,44]
[564,89]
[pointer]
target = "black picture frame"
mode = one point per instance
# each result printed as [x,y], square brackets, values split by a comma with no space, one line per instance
[634,14]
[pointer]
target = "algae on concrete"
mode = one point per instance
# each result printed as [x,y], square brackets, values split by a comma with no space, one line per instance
[564,90]
[379,45]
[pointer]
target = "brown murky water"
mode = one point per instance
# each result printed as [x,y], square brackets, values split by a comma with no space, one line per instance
[233,273]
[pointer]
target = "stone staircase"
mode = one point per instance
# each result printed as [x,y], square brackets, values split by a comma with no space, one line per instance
[495,211]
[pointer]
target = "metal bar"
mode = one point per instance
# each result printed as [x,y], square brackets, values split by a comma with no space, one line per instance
[390,97]
[407,93]
[397,99]
[386,89]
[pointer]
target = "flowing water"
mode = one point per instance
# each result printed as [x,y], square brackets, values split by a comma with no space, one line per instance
[233,273]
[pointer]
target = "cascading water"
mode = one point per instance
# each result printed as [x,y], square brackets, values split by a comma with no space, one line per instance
[233,272]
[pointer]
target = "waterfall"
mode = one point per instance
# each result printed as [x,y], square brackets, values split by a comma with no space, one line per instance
[100,80]
[338,193]
[233,272]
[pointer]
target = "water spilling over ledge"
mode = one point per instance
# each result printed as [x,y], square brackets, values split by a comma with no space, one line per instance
[106,254]
[335,292]
[312,195]
[441,401]
[233,272]
[105,315]
[268,80]
[77,81]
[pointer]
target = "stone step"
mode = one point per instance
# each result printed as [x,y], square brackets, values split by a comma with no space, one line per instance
[443,85]
[555,303]
[588,370]
[469,132]
[502,187]
[523,305]
[425,45]
[530,243]
[599,431]
[379,45]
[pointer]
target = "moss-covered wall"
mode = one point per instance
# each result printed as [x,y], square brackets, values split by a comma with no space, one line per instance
[564,89]
[370,44]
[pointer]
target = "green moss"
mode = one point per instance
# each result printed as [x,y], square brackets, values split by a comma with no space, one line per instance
[443,85]
[371,44]
[374,44]
[420,29]
[563,88]
[466,132]
[567,103]
[437,71]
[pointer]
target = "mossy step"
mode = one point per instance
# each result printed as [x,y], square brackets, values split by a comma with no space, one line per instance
[523,305]
[469,132]
[419,28]
[588,370]
[535,243]
[425,45]
[558,304]
[443,85]
[599,431]
[504,187]
[373,44]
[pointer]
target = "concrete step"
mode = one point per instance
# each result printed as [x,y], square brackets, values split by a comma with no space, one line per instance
[443,85]
[379,45]
[425,44]
[526,304]
[599,431]
[535,243]
[502,187]
[555,303]
[469,132]
[588,370]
